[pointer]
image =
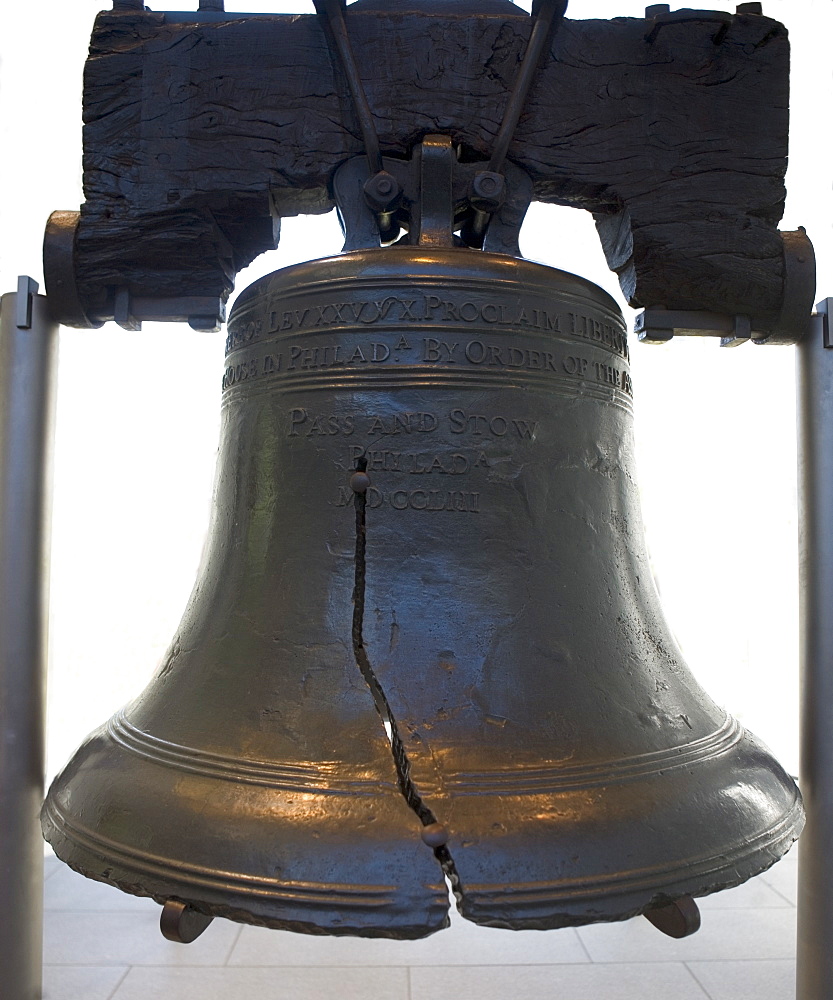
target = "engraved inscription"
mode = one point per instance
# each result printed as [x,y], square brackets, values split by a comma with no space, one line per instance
[315,424]
[401,311]
[429,352]
[427,500]
[418,463]
[305,423]
[403,423]
[476,352]
[390,447]
[613,376]
[480,424]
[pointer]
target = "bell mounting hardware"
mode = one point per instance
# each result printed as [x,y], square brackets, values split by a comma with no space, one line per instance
[631,119]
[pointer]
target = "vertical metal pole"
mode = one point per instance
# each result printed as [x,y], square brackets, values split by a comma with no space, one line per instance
[815,505]
[28,349]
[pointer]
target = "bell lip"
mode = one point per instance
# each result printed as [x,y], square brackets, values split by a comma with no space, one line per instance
[472,903]
[492,906]
[517,906]
[372,911]
[387,262]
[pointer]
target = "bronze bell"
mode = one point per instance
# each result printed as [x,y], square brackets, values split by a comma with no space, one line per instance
[424,643]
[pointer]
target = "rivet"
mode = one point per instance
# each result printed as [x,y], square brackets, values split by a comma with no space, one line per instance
[359,482]
[434,835]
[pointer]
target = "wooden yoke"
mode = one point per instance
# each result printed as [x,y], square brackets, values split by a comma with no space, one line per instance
[202,129]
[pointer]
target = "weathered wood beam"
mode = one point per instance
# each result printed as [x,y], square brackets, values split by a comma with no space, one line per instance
[200,130]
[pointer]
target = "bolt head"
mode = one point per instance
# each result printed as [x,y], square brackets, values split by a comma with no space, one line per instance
[434,835]
[359,482]
[382,191]
[488,191]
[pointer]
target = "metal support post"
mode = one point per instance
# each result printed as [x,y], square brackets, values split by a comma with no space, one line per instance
[28,351]
[815,484]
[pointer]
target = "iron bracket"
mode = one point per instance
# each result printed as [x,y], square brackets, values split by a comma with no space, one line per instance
[824,310]
[27,289]
[364,227]
[660,16]
[658,324]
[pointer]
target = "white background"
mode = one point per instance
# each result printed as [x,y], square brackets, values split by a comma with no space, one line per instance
[138,412]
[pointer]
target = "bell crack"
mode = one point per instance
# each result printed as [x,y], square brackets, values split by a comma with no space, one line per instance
[434,834]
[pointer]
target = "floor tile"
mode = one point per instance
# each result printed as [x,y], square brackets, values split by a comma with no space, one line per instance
[566,982]
[80,983]
[752,894]
[128,939]
[783,876]
[67,890]
[724,935]
[265,984]
[463,943]
[765,980]
[51,866]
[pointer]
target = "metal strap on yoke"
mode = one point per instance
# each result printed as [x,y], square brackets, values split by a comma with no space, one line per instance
[332,14]
[546,14]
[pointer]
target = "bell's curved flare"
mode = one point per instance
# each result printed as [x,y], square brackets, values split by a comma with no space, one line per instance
[488,593]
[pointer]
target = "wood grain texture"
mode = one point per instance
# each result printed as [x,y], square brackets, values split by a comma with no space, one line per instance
[199,133]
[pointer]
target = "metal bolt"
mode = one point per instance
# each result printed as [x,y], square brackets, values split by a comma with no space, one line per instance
[488,190]
[359,482]
[382,191]
[434,835]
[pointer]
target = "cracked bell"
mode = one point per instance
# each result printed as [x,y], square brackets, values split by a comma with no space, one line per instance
[424,644]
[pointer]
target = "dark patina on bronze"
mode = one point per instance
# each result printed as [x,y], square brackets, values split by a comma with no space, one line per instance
[424,647]
[543,713]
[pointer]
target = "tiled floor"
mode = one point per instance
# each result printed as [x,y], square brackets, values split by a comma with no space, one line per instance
[103,945]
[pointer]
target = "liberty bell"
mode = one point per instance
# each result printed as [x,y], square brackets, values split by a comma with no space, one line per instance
[424,646]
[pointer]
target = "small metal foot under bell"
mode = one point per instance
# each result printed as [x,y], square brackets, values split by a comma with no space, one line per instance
[182,923]
[678,919]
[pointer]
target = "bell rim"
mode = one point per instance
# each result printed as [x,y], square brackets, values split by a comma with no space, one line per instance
[545,903]
[481,903]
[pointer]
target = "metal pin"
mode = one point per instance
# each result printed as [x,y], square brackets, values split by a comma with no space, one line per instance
[182,923]
[434,835]
[678,919]
[359,482]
